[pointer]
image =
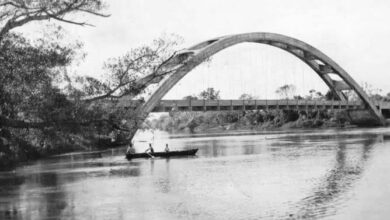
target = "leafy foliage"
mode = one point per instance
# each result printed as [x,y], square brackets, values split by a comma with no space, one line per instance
[209,94]
[37,113]
[246,96]
[286,91]
[122,73]
[190,97]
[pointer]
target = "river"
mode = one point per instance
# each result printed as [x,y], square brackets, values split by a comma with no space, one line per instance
[321,174]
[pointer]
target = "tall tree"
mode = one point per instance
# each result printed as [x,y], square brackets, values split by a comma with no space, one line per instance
[29,68]
[190,97]
[34,110]
[209,94]
[246,96]
[286,91]
[31,107]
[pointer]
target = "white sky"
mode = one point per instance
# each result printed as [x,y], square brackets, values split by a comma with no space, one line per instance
[354,33]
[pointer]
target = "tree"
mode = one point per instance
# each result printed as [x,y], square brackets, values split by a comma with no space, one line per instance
[16,13]
[34,113]
[209,94]
[298,97]
[331,95]
[130,74]
[286,91]
[190,97]
[34,110]
[28,69]
[311,92]
[28,99]
[317,95]
[387,97]
[246,96]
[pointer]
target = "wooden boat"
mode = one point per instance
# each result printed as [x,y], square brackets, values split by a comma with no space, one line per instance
[191,152]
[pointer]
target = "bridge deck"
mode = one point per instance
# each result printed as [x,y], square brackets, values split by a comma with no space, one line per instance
[229,105]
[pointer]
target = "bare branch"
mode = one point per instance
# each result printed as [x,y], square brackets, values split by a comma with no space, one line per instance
[20,14]
[95,13]
[69,21]
[12,123]
[10,3]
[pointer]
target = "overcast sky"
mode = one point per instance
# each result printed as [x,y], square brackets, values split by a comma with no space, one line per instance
[354,33]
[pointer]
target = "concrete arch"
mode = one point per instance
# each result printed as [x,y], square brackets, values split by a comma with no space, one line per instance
[184,61]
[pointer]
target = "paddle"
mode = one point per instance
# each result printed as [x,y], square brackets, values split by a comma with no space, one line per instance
[151,156]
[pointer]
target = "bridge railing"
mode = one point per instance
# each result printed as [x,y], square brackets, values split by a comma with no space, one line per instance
[226,105]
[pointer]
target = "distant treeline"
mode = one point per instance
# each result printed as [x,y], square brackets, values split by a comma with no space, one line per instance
[259,120]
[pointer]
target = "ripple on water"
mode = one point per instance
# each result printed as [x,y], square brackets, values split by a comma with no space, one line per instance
[305,175]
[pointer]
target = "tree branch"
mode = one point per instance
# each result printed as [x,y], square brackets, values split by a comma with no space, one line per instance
[23,14]
[94,13]
[12,123]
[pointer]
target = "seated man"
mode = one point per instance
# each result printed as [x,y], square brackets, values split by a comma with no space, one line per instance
[150,149]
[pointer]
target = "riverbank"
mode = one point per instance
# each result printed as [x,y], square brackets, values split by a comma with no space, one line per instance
[14,151]
[200,122]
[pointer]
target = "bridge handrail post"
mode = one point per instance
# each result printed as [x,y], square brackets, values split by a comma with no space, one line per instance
[332,107]
[306,107]
[287,106]
[256,104]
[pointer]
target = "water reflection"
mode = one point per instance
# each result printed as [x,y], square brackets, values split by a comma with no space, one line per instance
[235,177]
[163,183]
[126,172]
[328,196]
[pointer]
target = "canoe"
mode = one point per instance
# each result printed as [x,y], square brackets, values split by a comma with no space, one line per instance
[191,152]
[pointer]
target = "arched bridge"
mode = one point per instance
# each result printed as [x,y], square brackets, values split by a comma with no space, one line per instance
[184,61]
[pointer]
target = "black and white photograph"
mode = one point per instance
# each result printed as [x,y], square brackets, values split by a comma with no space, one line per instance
[198,110]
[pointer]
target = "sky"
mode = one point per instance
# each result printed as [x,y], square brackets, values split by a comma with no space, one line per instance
[353,33]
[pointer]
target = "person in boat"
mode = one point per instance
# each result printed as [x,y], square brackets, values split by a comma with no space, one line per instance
[130,149]
[150,149]
[166,148]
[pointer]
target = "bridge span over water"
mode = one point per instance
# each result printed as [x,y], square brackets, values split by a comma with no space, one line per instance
[182,62]
[243,105]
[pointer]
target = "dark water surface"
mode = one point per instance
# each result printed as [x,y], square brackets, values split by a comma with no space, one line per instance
[326,174]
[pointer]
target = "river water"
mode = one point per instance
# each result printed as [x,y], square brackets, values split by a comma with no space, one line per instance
[322,174]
